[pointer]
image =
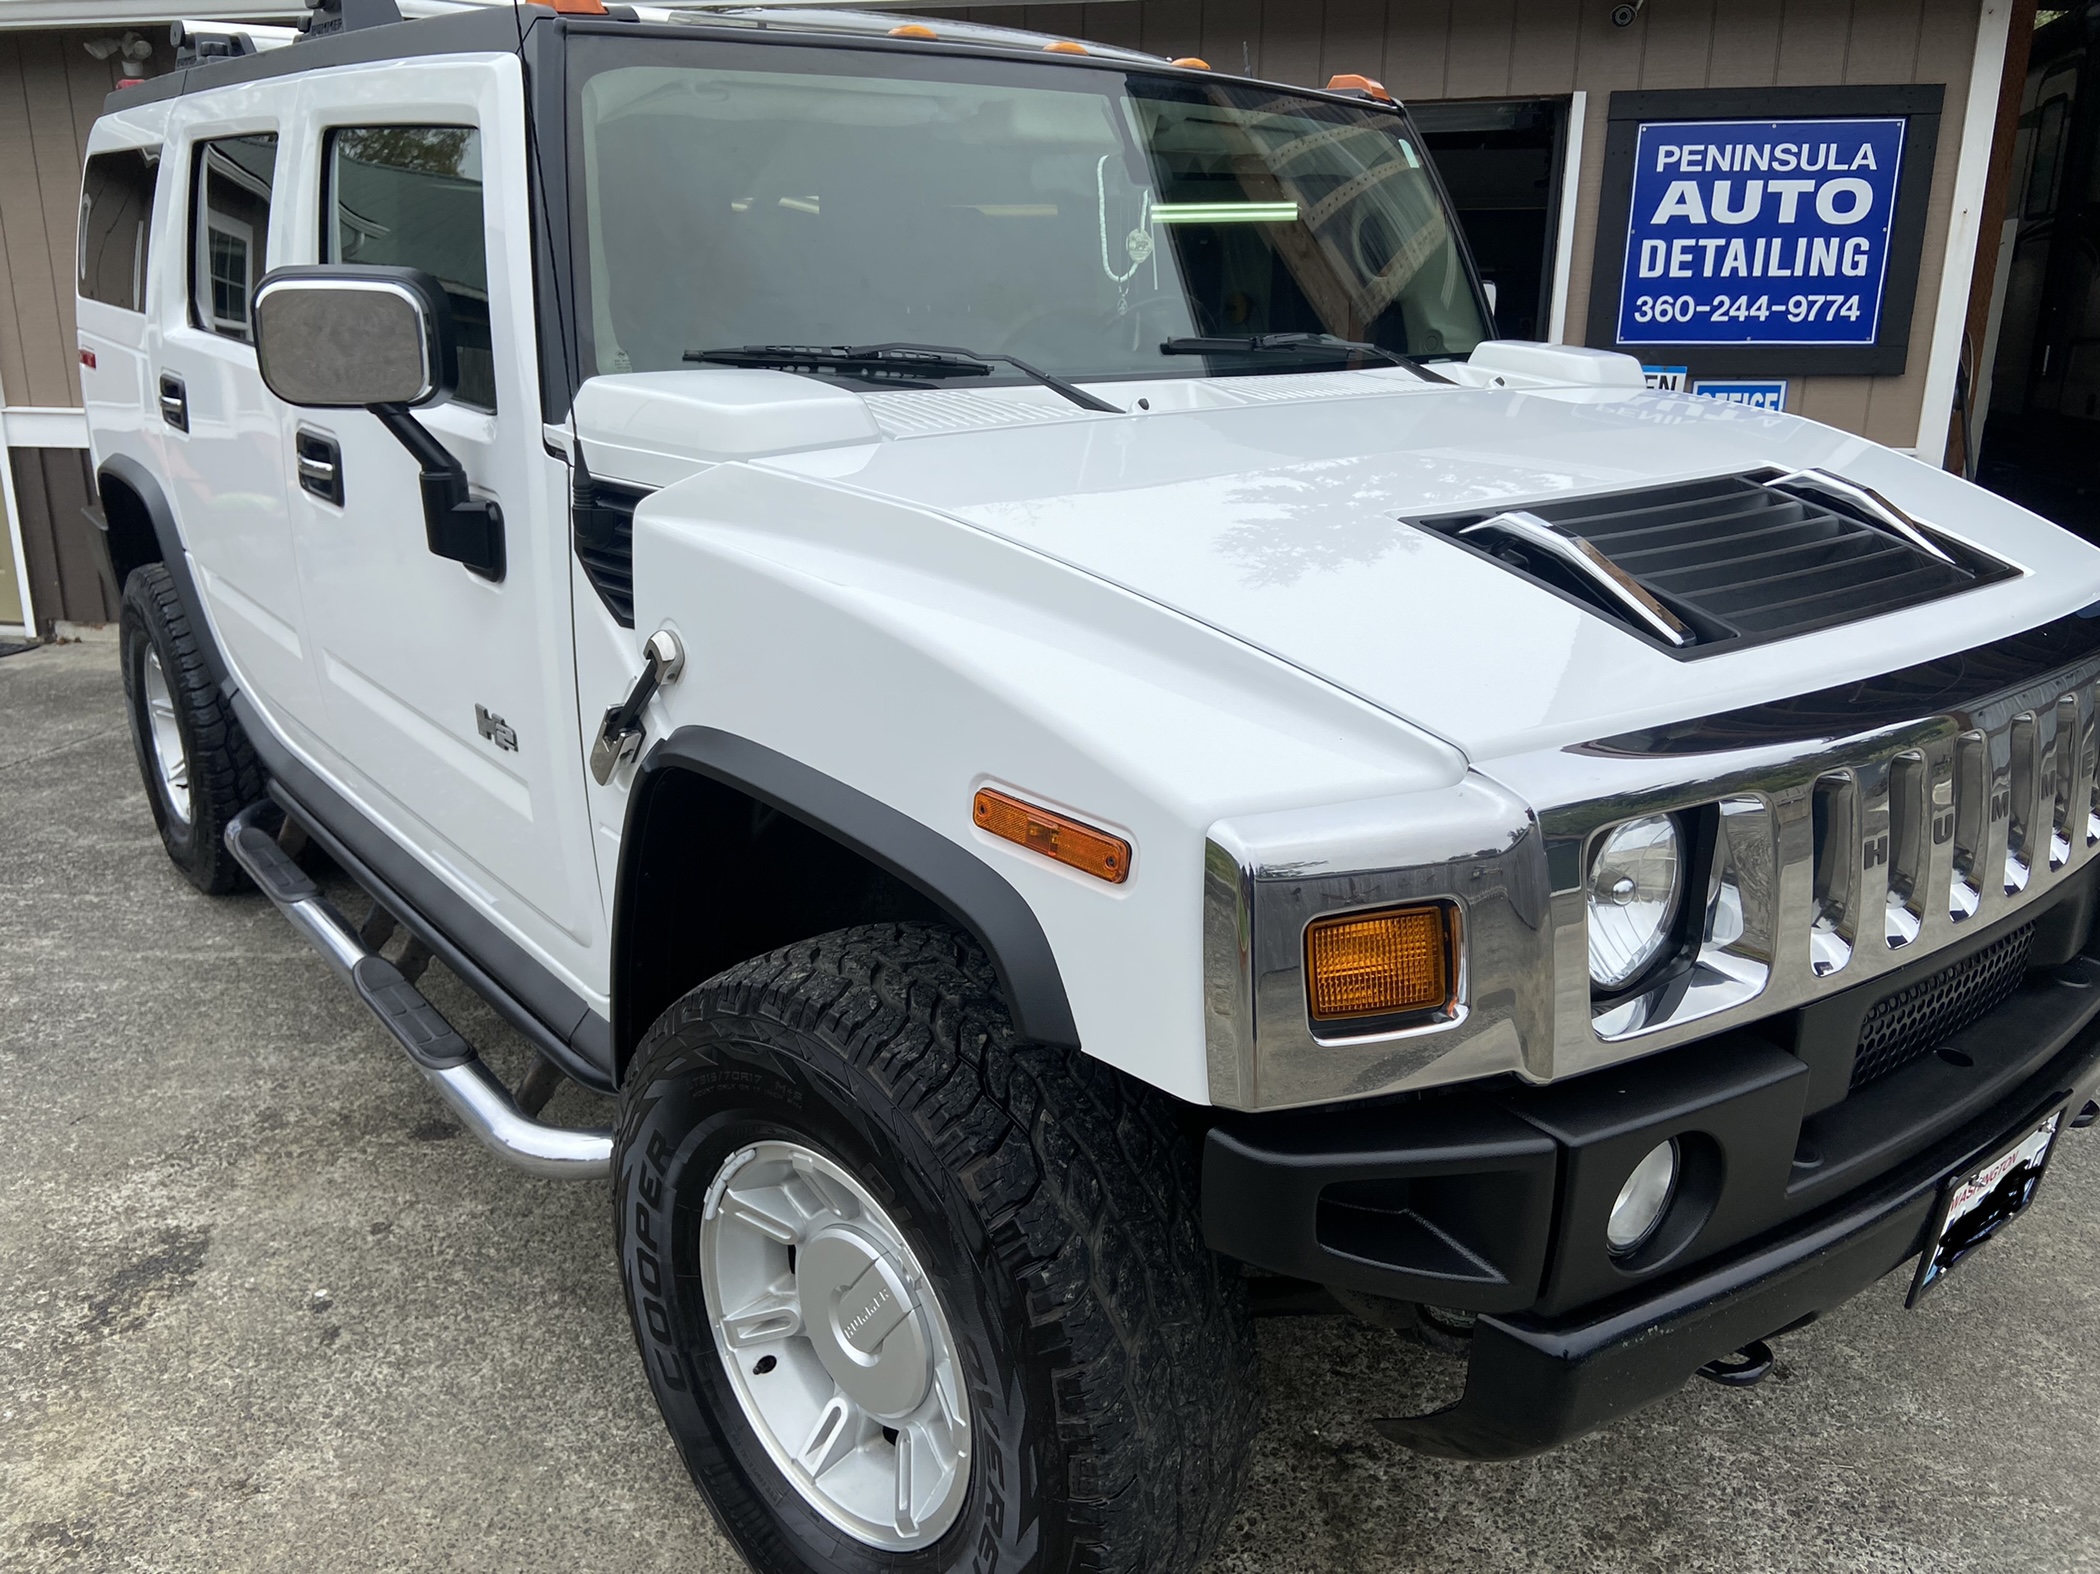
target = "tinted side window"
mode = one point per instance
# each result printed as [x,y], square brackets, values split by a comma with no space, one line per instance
[410,197]
[116,219]
[230,230]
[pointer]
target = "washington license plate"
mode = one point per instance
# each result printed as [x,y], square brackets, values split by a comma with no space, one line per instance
[1976,1205]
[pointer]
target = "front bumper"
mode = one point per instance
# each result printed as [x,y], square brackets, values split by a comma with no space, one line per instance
[1482,1201]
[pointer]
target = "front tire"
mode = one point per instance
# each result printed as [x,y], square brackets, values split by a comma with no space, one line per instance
[198,766]
[846,1144]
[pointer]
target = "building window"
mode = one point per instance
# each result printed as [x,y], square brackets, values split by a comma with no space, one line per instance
[410,197]
[230,231]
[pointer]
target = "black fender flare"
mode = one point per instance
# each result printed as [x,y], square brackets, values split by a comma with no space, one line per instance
[130,473]
[976,896]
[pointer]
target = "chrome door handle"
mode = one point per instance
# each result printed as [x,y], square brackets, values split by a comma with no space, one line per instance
[320,464]
[174,402]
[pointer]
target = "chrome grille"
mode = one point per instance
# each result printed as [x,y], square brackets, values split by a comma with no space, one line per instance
[1841,859]
[1920,1017]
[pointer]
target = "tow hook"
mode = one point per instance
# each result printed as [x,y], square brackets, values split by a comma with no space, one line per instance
[1751,1364]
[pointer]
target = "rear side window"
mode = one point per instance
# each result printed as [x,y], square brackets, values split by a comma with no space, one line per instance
[230,231]
[116,222]
[410,197]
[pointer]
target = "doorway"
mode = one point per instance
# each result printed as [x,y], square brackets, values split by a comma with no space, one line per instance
[1504,162]
[2041,438]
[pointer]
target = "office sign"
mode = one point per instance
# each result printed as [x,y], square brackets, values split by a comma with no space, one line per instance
[1756,395]
[1771,231]
[1747,232]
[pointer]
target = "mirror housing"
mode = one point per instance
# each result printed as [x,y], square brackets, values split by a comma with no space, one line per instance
[379,339]
[333,337]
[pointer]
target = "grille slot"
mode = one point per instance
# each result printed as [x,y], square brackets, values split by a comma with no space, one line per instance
[602,519]
[1740,558]
[1913,1021]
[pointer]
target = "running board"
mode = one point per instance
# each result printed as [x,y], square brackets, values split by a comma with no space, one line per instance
[448,1062]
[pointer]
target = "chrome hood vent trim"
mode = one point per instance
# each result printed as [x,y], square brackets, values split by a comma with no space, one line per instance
[1698,567]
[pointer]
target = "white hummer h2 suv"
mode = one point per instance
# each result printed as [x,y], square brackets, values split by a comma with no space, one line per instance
[975,628]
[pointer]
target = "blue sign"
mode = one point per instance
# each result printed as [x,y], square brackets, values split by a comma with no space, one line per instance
[1666,379]
[1760,232]
[1758,395]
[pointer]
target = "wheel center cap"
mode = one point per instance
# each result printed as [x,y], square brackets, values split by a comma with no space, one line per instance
[862,1316]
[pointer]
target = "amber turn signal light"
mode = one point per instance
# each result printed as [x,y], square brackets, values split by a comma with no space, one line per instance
[1381,964]
[1045,831]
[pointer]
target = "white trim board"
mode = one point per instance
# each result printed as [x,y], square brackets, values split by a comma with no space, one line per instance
[44,426]
[1979,124]
[1564,242]
[13,512]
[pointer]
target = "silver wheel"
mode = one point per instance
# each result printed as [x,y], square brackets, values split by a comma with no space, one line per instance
[168,756]
[836,1345]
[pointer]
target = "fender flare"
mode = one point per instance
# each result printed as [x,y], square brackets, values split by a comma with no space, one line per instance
[953,878]
[122,468]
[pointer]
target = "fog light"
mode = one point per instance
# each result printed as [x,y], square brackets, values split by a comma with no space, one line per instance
[1643,1199]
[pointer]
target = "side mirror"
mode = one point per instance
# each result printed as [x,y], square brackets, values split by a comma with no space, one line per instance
[379,339]
[339,338]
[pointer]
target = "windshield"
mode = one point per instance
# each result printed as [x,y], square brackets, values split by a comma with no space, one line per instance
[1077,217]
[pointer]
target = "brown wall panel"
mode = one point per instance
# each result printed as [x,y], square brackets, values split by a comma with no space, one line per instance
[52,486]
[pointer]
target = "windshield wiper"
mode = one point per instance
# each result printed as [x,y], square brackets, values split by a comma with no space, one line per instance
[891,360]
[1325,345]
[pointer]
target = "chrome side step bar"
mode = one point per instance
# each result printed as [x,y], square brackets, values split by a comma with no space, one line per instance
[448,1062]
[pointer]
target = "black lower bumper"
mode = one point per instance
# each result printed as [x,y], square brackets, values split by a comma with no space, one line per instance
[1482,1202]
[1534,1383]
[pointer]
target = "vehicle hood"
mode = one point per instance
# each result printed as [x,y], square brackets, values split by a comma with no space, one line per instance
[1276,513]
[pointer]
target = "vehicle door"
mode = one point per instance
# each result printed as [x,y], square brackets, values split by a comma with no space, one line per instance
[220,433]
[449,698]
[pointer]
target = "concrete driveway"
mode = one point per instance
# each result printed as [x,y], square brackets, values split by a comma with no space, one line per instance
[263,1307]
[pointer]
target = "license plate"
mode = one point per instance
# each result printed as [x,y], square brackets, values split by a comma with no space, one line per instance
[1976,1205]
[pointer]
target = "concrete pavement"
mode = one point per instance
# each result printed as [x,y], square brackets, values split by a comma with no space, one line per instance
[262,1307]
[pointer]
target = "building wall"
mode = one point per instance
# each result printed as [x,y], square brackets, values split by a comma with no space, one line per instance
[51,90]
[1430,49]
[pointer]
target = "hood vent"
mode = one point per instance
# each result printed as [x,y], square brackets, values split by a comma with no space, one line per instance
[1705,566]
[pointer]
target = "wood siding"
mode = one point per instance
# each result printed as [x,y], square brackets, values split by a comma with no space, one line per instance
[51,90]
[1440,49]
[53,485]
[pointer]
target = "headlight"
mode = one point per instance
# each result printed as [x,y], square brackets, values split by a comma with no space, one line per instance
[1643,1199]
[1635,883]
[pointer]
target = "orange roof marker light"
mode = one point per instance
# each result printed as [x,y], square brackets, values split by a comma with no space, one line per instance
[579,7]
[1065,46]
[1190,63]
[913,30]
[1385,964]
[1068,841]
[1350,82]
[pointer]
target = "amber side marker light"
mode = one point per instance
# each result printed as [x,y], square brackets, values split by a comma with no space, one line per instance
[1190,63]
[1045,831]
[1381,964]
[1065,46]
[913,30]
